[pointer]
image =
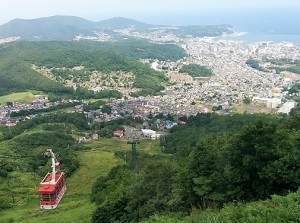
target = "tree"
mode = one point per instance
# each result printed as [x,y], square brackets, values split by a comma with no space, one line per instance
[106,132]
[196,70]
[204,175]
[111,194]
[170,117]
[217,108]
[106,109]
[258,160]
[183,118]
[293,122]
[152,190]
[159,116]
[247,100]
[150,116]
[253,63]
[111,212]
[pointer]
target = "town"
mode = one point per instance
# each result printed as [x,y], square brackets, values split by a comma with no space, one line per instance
[225,92]
[233,80]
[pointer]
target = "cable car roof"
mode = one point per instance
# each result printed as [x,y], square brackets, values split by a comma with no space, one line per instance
[48,178]
[46,189]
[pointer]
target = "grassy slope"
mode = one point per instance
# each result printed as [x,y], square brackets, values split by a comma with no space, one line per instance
[75,206]
[24,97]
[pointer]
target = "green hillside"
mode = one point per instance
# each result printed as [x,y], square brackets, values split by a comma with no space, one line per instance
[48,28]
[16,73]
[276,209]
[16,76]
[131,48]
[219,168]
[96,160]
[240,168]
[64,27]
[75,206]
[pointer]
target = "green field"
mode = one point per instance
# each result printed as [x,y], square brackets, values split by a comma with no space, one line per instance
[23,97]
[75,205]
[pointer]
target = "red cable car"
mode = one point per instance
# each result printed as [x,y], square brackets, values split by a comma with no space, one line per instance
[53,186]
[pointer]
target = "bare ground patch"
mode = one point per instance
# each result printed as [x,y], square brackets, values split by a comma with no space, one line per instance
[241,108]
[176,77]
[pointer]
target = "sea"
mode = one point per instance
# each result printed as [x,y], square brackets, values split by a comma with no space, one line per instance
[263,24]
[251,37]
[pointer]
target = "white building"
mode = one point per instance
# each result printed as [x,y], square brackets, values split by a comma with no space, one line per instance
[148,132]
[286,107]
[266,102]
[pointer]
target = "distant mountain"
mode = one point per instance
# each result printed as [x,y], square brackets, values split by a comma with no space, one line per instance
[49,28]
[63,27]
[121,23]
[71,27]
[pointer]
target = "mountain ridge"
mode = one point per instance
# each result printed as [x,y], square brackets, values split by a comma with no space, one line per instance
[61,27]
[122,21]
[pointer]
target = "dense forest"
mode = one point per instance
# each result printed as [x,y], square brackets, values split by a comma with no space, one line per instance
[284,64]
[16,73]
[279,65]
[254,64]
[202,31]
[276,209]
[216,160]
[25,152]
[131,48]
[196,70]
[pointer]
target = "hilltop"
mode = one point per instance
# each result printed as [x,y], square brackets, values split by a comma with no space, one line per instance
[50,28]
[121,23]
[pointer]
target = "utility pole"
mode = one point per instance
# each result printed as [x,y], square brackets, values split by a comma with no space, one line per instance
[133,143]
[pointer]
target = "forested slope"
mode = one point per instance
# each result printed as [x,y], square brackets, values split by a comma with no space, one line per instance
[217,161]
[276,209]
[16,76]
[17,58]
[239,168]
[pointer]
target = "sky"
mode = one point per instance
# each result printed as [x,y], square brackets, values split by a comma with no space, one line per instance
[150,11]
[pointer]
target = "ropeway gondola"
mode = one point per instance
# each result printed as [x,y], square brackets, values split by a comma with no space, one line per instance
[53,186]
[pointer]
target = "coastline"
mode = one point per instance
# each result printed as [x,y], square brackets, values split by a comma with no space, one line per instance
[251,37]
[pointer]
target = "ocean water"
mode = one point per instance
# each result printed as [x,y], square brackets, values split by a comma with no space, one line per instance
[267,24]
[252,37]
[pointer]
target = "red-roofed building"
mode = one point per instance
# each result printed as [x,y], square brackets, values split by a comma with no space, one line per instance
[119,133]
